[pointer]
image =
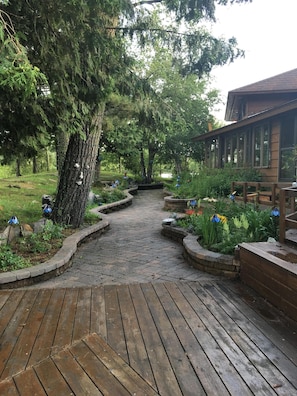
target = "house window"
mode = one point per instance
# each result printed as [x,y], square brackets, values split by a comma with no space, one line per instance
[241,149]
[288,144]
[236,148]
[233,149]
[261,157]
[213,153]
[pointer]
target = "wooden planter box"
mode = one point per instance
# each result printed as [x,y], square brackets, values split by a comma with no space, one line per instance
[266,268]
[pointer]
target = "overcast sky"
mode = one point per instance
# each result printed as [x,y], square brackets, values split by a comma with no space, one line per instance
[266,31]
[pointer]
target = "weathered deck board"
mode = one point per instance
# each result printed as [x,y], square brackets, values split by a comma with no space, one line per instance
[67,313]
[179,361]
[28,384]
[208,342]
[239,348]
[266,342]
[164,375]
[136,349]
[204,369]
[186,338]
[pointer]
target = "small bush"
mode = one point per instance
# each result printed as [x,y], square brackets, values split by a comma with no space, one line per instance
[110,196]
[9,261]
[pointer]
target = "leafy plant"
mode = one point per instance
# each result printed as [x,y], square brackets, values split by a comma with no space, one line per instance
[10,261]
[240,223]
[51,231]
[41,242]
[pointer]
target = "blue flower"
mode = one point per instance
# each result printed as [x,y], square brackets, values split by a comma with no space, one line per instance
[193,202]
[13,220]
[215,219]
[275,212]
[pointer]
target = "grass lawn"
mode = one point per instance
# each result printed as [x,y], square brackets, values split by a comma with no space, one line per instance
[21,196]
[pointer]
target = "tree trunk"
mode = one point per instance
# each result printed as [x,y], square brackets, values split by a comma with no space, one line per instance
[34,165]
[62,140]
[77,175]
[97,169]
[18,167]
[151,157]
[142,165]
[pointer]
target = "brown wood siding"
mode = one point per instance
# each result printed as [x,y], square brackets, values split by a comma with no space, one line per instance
[254,104]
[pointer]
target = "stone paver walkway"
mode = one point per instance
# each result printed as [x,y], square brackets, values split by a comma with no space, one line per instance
[131,251]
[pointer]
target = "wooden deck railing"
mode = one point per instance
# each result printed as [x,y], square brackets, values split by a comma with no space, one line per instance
[264,193]
[288,218]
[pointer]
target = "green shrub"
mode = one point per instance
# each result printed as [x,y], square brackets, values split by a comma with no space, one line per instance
[51,231]
[110,196]
[211,182]
[9,261]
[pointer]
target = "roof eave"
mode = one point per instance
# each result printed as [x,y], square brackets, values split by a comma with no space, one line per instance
[292,105]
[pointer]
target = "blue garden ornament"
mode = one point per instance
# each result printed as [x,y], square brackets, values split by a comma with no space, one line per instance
[47,210]
[275,212]
[13,220]
[215,219]
[193,203]
[232,196]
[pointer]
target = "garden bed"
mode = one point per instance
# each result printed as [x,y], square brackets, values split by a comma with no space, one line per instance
[62,260]
[200,258]
[271,270]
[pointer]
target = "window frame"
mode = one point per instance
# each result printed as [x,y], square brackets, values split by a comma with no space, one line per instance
[264,155]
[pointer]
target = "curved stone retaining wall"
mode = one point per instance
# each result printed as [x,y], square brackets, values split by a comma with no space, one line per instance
[175,204]
[200,258]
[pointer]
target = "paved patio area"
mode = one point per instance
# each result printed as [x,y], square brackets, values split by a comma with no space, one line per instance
[131,317]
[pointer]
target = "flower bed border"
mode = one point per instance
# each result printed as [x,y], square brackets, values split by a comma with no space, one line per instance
[62,259]
[200,258]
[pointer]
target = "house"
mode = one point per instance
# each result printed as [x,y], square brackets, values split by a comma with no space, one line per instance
[263,132]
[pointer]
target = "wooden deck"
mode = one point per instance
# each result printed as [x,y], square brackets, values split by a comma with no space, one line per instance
[168,339]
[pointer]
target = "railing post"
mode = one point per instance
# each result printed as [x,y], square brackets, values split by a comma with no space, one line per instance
[273,194]
[258,193]
[282,216]
[244,191]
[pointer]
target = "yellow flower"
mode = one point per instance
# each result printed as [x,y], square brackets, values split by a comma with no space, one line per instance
[223,219]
